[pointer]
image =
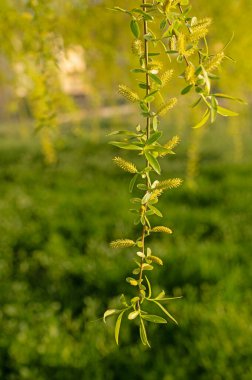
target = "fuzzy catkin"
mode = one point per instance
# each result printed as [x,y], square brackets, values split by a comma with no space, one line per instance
[214,62]
[167,106]
[122,243]
[169,183]
[128,93]
[125,165]
[164,229]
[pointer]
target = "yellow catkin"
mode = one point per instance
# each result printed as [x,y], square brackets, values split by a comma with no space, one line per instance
[125,165]
[166,77]
[206,21]
[122,243]
[181,43]
[167,106]
[189,74]
[155,194]
[172,143]
[182,46]
[155,65]
[156,260]
[173,43]
[138,48]
[128,93]
[199,30]
[198,33]
[169,183]
[164,229]
[214,62]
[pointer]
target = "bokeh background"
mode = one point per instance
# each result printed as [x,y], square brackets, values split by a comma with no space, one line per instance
[62,201]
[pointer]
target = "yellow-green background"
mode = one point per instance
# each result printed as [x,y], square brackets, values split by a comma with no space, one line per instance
[57,272]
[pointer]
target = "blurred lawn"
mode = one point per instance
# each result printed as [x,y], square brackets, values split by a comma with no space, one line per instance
[58,273]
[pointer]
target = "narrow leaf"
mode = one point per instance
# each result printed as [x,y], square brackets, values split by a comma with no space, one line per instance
[155,78]
[166,312]
[135,28]
[154,138]
[132,183]
[118,325]
[156,211]
[149,286]
[110,312]
[124,145]
[186,89]
[225,112]
[203,120]
[154,318]
[133,314]
[153,162]
[155,123]
[229,97]
[143,334]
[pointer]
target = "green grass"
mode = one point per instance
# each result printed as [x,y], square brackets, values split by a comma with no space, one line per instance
[58,274]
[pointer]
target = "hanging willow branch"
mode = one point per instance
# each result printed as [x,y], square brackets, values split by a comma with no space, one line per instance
[182,37]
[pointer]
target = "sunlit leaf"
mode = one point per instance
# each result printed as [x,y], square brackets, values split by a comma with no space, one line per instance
[118,325]
[154,318]
[225,112]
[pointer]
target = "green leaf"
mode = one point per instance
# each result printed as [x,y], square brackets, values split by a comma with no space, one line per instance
[123,132]
[225,112]
[140,254]
[166,312]
[135,28]
[154,318]
[203,120]
[149,98]
[168,298]
[118,9]
[160,295]
[145,15]
[155,123]
[124,145]
[153,162]
[142,186]
[145,198]
[155,78]
[143,334]
[147,267]
[136,271]
[138,71]
[118,325]
[163,24]
[149,286]
[153,138]
[133,314]
[132,281]
[186,89]
[149,36]
[109,313]
[213,109]
[123,300]
[155,210]
[132,183]
[144,107]
[196,103]
[229,97]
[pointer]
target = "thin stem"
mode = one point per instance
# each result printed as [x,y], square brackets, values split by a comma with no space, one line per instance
[148,126]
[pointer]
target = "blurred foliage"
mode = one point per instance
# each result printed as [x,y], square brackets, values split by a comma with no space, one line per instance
[57,25]
[58,271]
